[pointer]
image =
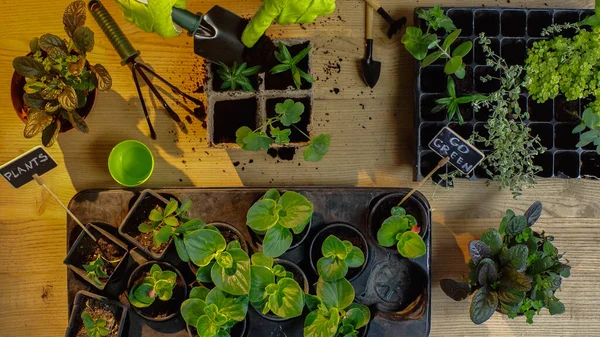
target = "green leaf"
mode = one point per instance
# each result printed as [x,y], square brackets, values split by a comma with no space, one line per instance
[237,283]
[332,269]
[262,215]
[155,215]
[224,260]
[281,136]
[199,293]
[288,300]
[202,245]
[301,55]
[493,240]
[145,228]
[516,256]
[450,39]
[483,305]
[240,136]
[457,291]
[487,272]
[259,259]
[579,128]
[192,309]
[338,294]
[453,65]
[429,59]
[295,210]
[34,45]
[318,148]
[411,245]
[463,49]
[50,133]
[171,221]
[49,40]
[170,208]
[390,228]
[510,300]
[191,225]
[512,279]
[272,194]
[77,121]
[556,307]
[180,247]
[312,302]
[260,277]
[516,225]
[255,141]
[355,258]
[318,325]
[277,241]
[233,307]
[533,214]
[37,121]
[74,16]
[334,247]
[416,43]
[164,290]
[164,234]
[280,68]
[203,273]
[479,251]
[28,67]
[83,37]
[141,293]
[289,111]
[34,100]
[590,118]
[206,327]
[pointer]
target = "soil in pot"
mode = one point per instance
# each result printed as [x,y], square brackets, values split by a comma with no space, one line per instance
[88,251]
[343,233]
[296,135]
[97,309]
[284,80]
[229,116]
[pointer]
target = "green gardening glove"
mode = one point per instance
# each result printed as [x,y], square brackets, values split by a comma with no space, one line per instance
[284,12]
[152,15]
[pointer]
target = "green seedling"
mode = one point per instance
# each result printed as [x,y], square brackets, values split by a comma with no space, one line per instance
[235,76]
[338,256]
[157,284]
[290,63]
[164,223]
[94,327]
[452,103]
[591,120]
[401,230]
[96,270]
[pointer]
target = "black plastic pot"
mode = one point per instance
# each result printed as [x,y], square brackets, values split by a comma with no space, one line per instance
[84,299]
[297,239]
[171,306]
[238,330]
[297,271]
[84,245]
[235,236]
[382,210]
[139,213]
[343,232]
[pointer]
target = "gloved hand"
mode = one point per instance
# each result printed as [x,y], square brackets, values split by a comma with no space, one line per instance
[284,12]
[152,15]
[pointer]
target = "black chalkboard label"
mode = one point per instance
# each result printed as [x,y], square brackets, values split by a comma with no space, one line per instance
[462,154]
[20,170]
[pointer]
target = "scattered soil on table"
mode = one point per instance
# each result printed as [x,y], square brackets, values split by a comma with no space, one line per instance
[200,113]
[342,233]
[98,309]
[161,309]
[88,251]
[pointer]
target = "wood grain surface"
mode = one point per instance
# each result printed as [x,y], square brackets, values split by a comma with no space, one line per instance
[371,135]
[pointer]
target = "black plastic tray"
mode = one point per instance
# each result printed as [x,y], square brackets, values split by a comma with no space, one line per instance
[107,208]
[511,30]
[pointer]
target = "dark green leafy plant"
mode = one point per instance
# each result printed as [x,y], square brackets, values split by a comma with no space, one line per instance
[237,76]
[338,256]
[514,270]
[452,103]
[273,289]
[164,223]
[333,311]
[57,78]
[590,119]
[419,43]
[401,230]
[96,270]
[157,284]
[289,62]
[288,114]
[94,327]
[276,216]
[213,312]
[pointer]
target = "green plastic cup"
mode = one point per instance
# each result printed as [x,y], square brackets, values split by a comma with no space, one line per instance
[131,163]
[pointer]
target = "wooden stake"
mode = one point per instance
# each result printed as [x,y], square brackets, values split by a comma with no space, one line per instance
[440,164]
[41,183]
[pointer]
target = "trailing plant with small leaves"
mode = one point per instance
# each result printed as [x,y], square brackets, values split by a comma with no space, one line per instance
[333,312]
[237,76]
[452,103]
[273,289]
[591,120]
[163,224]
[213,312]
[157,284]
[338,256]
[57,78]
[514,270]
[96,270]
[94,327]
[289,62]
[276,216]
[401,230]
[288,114]
[419,43]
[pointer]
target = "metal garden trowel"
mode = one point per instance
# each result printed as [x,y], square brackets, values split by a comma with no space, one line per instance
[217,34]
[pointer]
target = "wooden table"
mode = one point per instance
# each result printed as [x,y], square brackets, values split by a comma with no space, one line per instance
[371,135]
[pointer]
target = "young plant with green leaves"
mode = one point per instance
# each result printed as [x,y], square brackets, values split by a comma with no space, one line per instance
[96,270]
[58,77]
[273,289]
[419,43]
[157,284]
[514,270]
[276,217]
[94,327]
[401,230]
[235,76]
[338,256]
[591,120]
[213,312]
[333,312]
[452,103]
[225,265]
[289,62]
[288,114]
[163,223]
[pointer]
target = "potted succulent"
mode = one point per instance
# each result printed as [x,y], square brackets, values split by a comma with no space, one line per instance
[54,87]
[513,270]
[231,78]
[156,290]
[277,288]
[96,262]
[281,222]
[96,316]
[338,258]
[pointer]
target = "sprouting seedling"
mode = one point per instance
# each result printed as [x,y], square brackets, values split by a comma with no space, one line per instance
[290,63]
[96,270]
[338,256]
[157,284]
[591,120]
[287,114]
[237,76]
[94,327]
[452,103]
[163,223]
[402,230]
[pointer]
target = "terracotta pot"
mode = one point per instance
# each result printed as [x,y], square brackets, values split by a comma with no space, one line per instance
[16,94]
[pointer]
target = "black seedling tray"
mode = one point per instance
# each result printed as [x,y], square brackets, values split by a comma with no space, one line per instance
[375,285]
[511,30]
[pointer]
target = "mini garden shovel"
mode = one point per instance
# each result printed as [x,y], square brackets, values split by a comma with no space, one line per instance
[217,34]
[371,68]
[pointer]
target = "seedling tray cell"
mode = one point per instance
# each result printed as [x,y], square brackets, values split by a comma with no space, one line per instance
[512,31]
[409,280]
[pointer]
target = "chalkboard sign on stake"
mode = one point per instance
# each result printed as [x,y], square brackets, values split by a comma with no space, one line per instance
[464,156]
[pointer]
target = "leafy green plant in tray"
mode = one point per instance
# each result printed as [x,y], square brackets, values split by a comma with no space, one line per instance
[289,62]
[338,256]
[157,284]
[401,230]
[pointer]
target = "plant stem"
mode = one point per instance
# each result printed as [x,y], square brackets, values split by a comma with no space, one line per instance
[443,51]
[302,132]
